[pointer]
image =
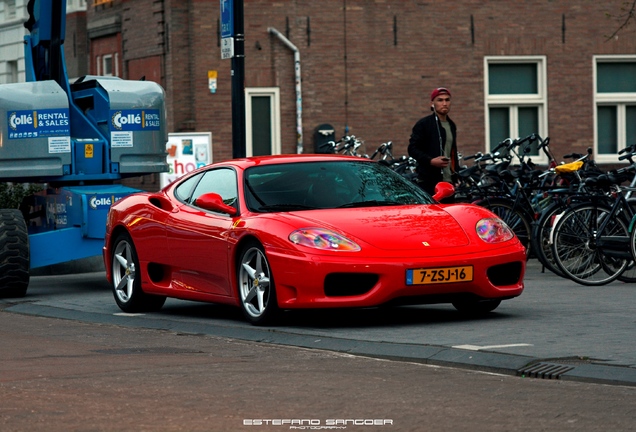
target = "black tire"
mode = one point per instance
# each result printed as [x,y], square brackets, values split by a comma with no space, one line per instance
[632,242]
[518,219]
[256,289]
[574,247]
[127,279]
[14,254]
[477,307]
[629,274]
[541,239]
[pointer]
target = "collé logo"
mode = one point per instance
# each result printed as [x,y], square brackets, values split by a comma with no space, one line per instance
[135,120]
[38,123]
[103,201]
[16,120]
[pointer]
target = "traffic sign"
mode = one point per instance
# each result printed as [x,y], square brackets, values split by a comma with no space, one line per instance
[227,48]
[227,19]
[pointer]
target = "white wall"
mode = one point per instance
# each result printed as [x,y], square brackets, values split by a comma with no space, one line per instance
[12,34]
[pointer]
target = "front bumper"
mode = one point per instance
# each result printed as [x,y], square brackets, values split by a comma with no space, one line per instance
[304,281]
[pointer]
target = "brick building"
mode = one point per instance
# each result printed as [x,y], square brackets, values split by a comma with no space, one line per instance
[368,66]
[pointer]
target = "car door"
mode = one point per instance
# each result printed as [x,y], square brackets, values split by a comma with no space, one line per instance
[197,238]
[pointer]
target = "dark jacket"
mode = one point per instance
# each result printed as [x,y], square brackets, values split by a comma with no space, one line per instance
[424,145]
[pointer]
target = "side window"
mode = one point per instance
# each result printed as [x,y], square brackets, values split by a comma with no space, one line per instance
[184,191]
[615,100]
[516,100]
[221,181]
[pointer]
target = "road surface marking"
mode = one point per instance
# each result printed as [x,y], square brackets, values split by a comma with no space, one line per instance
[486,347]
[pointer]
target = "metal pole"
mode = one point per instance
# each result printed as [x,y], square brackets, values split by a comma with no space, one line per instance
[238,84]
[299,95]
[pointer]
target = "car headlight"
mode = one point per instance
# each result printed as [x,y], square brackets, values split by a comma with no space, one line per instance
[323,239]
[493,230]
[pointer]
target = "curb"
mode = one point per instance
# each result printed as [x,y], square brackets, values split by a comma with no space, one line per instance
[506,364]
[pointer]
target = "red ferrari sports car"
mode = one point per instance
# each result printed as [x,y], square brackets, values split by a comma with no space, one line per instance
[307,231]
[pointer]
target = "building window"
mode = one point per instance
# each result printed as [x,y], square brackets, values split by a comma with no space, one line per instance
[12,71]
[73,5]
[516,100]
[107,65]
[615,102]
[10,9]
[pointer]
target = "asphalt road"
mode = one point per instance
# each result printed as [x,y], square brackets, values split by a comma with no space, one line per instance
[587,330]
[70,360]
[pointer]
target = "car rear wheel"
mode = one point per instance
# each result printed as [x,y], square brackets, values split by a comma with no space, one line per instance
[256,289]
[127,279]
[477,307]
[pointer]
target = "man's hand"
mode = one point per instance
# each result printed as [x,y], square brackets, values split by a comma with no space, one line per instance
[440,162]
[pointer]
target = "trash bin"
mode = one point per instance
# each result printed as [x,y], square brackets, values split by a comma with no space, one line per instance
[323,134]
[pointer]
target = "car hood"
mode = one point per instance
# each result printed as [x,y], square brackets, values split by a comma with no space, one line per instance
[392,228]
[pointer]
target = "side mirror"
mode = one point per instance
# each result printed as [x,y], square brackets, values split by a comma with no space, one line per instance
[213,202]
[443,190]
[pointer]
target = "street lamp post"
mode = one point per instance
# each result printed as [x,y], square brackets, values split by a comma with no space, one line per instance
[233,47]
[238,83]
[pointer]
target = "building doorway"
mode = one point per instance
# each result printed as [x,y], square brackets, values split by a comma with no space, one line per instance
[262,121]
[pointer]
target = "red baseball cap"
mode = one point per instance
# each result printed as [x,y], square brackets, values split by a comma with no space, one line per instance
[438,91]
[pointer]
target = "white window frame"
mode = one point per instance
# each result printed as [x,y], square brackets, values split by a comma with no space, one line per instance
[98,65]
[621,100]
[274,95]
[75,5]
[112,65]
[514,102]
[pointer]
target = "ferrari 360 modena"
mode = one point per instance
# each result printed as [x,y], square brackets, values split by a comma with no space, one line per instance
[275,233]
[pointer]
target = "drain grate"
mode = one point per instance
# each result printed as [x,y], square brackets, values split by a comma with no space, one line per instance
[545,370]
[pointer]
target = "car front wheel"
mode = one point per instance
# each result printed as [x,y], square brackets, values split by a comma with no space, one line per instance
[127,279]
[256,289]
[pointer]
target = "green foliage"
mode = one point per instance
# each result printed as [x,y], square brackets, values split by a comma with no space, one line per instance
[11,195]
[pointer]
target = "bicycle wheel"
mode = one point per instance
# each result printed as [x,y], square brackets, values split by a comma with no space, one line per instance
[542,241]
[629,274]
[519,220]
[575,245]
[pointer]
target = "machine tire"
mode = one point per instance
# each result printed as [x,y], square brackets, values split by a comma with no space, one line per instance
[14,254]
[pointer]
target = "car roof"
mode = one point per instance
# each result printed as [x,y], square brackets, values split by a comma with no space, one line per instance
[289,158]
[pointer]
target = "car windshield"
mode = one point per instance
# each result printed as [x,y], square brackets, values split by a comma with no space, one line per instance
[327,185]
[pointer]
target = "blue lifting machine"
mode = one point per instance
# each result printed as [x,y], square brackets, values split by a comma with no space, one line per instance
[78,139]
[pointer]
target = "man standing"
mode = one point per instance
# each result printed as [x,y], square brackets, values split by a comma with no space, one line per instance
[433,143]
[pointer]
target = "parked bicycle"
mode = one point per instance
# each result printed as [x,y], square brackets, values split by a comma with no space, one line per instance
[590,240]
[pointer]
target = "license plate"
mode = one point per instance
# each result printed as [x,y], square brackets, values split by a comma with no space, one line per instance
[439,275]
